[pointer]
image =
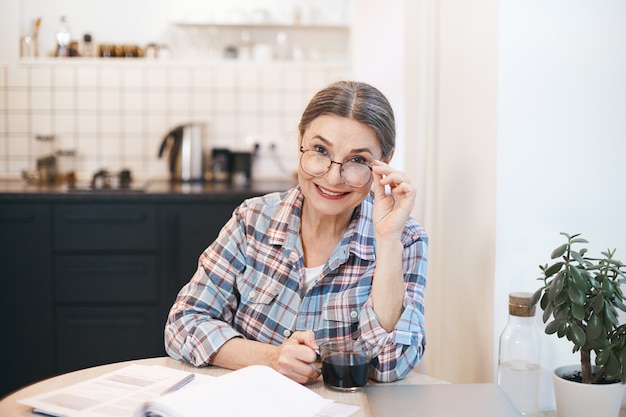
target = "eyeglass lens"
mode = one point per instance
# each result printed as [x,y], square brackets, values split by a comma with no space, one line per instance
[354,174]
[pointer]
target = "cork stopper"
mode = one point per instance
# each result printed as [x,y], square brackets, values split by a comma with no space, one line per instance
[519,304]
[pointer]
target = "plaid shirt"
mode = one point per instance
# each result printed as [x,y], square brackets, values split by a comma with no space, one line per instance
[248,285]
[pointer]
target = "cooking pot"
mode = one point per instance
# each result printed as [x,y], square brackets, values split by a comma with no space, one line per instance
[186,154]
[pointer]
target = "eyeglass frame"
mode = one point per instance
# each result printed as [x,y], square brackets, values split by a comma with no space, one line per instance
[303,150]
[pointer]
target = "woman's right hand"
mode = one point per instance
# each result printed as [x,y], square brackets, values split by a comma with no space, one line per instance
[294,358]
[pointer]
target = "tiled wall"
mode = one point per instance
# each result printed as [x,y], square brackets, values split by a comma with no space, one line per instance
[115,113]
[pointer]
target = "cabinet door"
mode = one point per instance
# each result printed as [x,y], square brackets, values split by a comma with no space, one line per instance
[105,227]
[90,336]
[27,347]
[187,230]
[105,278]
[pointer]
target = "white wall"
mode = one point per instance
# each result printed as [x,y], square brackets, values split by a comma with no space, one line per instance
[561,142]
[378,57]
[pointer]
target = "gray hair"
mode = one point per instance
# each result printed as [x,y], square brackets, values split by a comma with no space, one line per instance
[358,101]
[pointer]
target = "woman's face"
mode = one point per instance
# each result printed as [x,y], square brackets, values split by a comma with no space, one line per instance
[342,139]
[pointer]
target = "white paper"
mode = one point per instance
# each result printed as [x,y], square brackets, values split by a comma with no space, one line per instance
[116,394]
[256,391]
[135,391]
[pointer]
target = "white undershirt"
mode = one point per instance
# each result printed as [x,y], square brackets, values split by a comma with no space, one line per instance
[310,276]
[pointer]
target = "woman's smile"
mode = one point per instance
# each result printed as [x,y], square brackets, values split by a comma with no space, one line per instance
[327,193]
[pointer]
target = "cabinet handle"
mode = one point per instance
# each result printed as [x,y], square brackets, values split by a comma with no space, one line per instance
[107,219]
[78,270]
[108,322]
[18,218]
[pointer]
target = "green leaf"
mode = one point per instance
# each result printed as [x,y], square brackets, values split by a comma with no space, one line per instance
[598,303]
[556,285]
[561,299]
[561,312]
[536,295]
[547,312]
[552,327]
[603,357]
[612,369]
[576,334]
[578,278]
[545,300]
[594,327]
[553,269]
[576,295]
[577,256]
[595,345]
[610,314]
[559,251]
[578,311]
[622,357]
[607,286]
[619,304]
[579,240]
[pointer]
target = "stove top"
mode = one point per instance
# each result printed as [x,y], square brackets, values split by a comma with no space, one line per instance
[88,188]
[104,181]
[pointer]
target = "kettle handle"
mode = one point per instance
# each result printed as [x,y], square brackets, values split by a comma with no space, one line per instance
[164,143]
[174,137]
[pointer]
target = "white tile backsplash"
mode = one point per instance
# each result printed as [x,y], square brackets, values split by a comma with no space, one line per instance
[40,77]
[17,76]
[18,124]
[63,75]
[87,76]
[63,99]
[18,99]
[116,113]
[41,99]
[42,122]
[87,98]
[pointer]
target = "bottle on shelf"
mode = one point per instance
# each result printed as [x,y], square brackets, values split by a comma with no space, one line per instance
[88,48]
[519,355]
[63,38]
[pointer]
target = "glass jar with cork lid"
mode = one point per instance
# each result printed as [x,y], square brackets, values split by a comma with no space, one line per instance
[519,355]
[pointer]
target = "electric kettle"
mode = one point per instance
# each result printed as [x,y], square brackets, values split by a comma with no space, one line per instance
[186,154]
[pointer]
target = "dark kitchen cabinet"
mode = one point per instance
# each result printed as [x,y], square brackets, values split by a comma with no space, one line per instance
[27,347]
[93,335]
[88,279]
[187,230]
[106,286]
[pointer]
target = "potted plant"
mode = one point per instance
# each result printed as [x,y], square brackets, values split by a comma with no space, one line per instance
[580,298]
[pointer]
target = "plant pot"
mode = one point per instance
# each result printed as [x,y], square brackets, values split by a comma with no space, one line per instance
[575,399]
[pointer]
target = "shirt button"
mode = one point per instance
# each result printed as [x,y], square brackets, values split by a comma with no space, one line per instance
[251,295]
[287,333]
[354,314]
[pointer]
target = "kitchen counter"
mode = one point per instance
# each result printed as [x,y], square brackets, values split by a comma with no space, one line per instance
[156,190]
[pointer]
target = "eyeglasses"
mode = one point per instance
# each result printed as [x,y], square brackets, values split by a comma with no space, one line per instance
[355,172]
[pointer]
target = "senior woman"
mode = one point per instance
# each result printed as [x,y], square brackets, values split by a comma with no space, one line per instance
[336,257]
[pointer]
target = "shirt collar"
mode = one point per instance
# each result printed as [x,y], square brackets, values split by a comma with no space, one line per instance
[284,228]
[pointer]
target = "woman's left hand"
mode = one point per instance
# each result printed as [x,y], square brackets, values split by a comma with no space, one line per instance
[391,210]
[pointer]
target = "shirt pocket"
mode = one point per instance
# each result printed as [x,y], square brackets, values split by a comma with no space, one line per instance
[258,289]
[346,306]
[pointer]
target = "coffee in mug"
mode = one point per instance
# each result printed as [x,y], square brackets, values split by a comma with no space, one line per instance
[345,364]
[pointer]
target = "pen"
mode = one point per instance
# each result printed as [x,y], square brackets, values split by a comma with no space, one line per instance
[179,384]
[318,360]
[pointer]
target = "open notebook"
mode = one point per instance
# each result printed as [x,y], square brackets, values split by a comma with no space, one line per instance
[439,400]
